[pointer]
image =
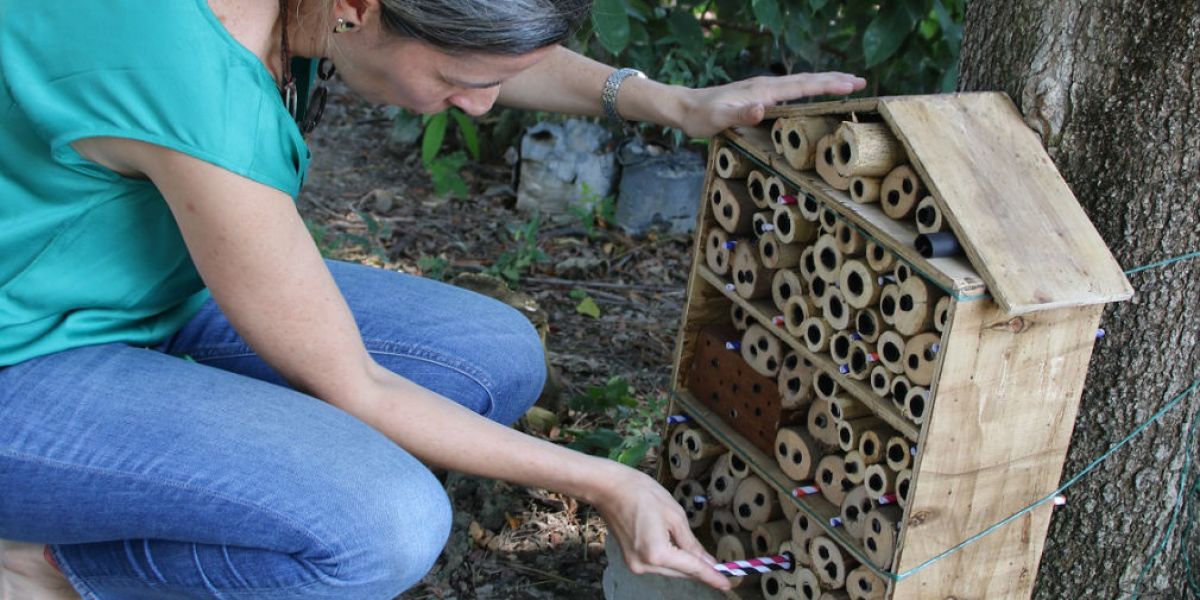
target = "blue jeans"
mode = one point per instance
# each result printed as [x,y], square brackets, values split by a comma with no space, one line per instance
[156,477]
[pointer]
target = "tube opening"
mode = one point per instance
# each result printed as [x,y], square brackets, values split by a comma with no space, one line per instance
[756,188]
[927,216]
[875,482]
[891,352]
[723,161]
[854,282]
[793,139]
[887,306]
[906,302]
[868,446]
[845,152]
[907,185]
[865,324]
[768,250]
[858,187]
[826,384]
[727,210]
[917,406]
[793,385]
[895,453]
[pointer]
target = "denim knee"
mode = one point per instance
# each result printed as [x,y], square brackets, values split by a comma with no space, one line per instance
[517,367]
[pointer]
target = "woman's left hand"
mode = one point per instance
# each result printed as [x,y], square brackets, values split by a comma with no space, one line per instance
[707,111]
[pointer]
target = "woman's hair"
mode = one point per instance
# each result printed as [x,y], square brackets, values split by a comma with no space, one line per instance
[507,27]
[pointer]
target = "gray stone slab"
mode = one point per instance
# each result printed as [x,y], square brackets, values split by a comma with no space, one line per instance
[622,584]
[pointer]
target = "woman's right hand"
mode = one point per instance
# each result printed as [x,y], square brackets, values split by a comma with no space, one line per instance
[653,531]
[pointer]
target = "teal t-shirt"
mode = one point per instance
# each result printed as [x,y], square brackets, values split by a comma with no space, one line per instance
[88,256]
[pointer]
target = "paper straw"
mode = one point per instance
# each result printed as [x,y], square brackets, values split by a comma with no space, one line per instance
[762,564]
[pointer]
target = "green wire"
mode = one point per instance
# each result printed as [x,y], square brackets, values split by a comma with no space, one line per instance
[1163,263]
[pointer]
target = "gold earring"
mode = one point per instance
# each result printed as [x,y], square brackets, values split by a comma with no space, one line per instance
[342,26]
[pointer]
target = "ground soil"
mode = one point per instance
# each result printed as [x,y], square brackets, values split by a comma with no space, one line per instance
[507,541]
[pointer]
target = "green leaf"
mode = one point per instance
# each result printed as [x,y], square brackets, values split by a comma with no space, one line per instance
[686,30]
[469,132]
[817,5]
[768,15]
[577,294]
[611,22]
[435,133]
[588,307]
[886,33]
[950,79]
[631,455]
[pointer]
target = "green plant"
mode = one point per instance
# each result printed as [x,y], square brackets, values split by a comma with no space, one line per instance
[433,267]
[443,168]
[635,423]
[332,243]
[587,305]
[592,210]
[512,263]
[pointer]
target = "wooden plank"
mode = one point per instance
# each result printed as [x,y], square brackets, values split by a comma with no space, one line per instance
[1004,406]
[763,311]
[1013,213]
[955,274]
[849,105]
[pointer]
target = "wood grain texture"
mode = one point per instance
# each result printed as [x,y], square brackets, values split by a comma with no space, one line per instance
[1013,213]
[1004,405]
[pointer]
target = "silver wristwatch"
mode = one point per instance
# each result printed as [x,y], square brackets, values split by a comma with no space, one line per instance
[608,97]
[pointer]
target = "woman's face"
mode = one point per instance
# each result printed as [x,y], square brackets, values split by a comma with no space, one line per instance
[414,75]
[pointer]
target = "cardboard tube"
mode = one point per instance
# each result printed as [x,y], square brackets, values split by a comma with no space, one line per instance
[916,404]
[762,351]
[921,358]
[685,494]
[754,503]
[881,381]
[701,444]
[756,186]
[828,258]
[850,431]
[826,167]
[903,484]
[766,538]
[825,384]
[736,547]
[808,265]
[899,453]
[722,523]
[777,127]
[775,189]
[865,190]
[929,216]
[866,149]
[860,284]
[761,222]
[731,164]
[872,444]
[854,467]
[772,585]
[751,279]
[868,325]
[889,303]
[849,240]
[807,582]
[880,480]
[900,387]
[739,469]
[741,319]
[796,452]
[810,207]
[721,484]
[890,349]
[845,407]
[816,334]
[801,137]
[835,309]
[784,285]
[862,359]
[855,508]
[820,424]
[879,536]
[937,244]
[914,312]
[731,206]
[817,289]
[776,254]
[795,382]
[717,253]
[791,226]
[941,314]
[900,192]
[879,258]
[829,562]
[831,476]
[862,584]
[796,310]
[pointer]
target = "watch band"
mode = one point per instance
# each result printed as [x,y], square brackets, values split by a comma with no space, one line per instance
[608,97]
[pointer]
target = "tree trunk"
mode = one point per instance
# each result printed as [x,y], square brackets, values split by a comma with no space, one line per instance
[1113,88]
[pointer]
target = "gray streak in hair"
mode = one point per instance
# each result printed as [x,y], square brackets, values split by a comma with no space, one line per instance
[506,27]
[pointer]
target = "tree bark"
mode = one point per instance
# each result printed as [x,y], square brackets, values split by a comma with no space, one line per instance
[1113,88]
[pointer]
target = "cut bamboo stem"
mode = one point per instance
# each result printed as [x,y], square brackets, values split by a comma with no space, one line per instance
[683,467]
[810,207]
[903,485]
[850,431]
[796,310]
[796,452]
[839,343]
[808,264]
[941,314]
[862,584]
[751,279]
[914,310]
[767,538]
[820,424]
[849,240]
[862,359]
[900,387]
[854,511]
[830,562]
[920,358]
[807,582]
[880,481]
[829,220]
[835,309]
[879,538]
[889,298]
[795,382]
[817,289]
[831,476]
[929,216]
[865,190]
[738,468]
[762,350]
[777,128]
[741,319]
[756,185]
[785,285]
[754,503]
[761,223]
[731,164]
[845,407]
[791,226]
[718,251]
[800,138]
[901,272]
[881,381]
[899,453]
[825,166]
[868,324]
[867,150]
[731,206]
[828,257]
[721,484]
[900,192]
[690,495]
[916,404]
[891,351]
[772,586]
[701,444]
[871,444]
[775,189]
[722,523]
[860,284]
[733,547]
[854,467]
[816,334]
[778,255]
[878,257]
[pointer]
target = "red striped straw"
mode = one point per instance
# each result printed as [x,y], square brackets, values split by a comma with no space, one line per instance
[886,499]
[786,199]
[762,564]
[806,490]
[778,320]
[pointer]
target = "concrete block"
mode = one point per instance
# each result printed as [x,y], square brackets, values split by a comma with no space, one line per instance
[557,161]
[621,584]
[659,189]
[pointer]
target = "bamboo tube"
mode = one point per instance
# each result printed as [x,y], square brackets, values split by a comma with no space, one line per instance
[868,325]
[828,258]
[751,279]
[862,359]
[796,452]
[855,508]
[845,407]
[825,384]
[913,309]
[777,127]
[754,503]
[941,314]
[731,206]
[891,351]
[879,537]
[881,381]
[871,444]
[866,149]
[791,226]
[899,453]
[828,219]
[916,404]
[796,310]
[903,484]
[862,584]
[683,467]
[835,309]
[776,254]
[839,346]
[701,444]
[820,424]
[810,208]
[807,582]
[825,164]
[900,191]
[808,265]
[739,469]
[865,190]
[736,547]
[831,476]
[880,480]
[849,240]
[878,257]
[772,586]
[929,216]
[801,137]
[850,431]
[766,538]
[784,285]
[761,224]
[889,303]
[817,289]
[830,563]
[775,189]
[900,387]
[686,493]
[721,484]
[717,253]
[854,467]
[731,164]
[920,357]
[833,595]
[901,272]
[795,382]
[741,319]
[789,577]
[804,529]
[859,283]
[816,334]
[675,440]
[787,504]
[756,185]
[722,523]
[762,351]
